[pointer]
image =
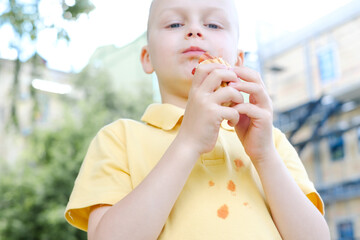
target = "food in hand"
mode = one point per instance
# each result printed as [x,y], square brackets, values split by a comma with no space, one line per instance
[207,58]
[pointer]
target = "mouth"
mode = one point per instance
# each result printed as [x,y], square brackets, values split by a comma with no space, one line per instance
[194,51]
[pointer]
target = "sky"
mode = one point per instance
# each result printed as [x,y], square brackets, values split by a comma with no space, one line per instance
[120,22]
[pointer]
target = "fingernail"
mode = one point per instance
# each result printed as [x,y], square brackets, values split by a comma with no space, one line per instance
[193,71]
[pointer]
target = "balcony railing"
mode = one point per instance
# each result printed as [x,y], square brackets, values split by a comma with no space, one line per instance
[341,191]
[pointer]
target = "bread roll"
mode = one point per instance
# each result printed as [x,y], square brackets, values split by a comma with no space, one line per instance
[207,58]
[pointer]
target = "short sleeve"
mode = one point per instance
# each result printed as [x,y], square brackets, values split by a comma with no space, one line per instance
[297,169]
[103,177]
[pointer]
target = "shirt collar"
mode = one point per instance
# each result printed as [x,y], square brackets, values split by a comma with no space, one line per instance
[167,116]
[164,116]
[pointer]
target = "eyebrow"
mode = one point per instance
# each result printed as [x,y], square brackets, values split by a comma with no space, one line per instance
[171,9]
[182,9]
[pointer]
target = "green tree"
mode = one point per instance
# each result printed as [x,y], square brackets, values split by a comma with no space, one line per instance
[26,21]
[35,192]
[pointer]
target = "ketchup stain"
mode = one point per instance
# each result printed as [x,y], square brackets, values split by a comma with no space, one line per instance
[231,186]
[238,164]
[223,211]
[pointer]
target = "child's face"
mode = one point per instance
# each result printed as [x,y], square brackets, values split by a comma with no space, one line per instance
[181,30]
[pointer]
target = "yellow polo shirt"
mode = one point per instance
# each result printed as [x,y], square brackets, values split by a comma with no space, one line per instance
[222,198]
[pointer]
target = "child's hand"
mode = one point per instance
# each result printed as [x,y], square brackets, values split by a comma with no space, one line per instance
[254,127]
[204,112]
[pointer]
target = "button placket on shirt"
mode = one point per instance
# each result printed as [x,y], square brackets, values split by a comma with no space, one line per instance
[215,157]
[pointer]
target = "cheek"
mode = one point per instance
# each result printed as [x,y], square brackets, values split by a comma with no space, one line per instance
[162,53]
[163,44]
[160,58]
[226,50]
[168,48]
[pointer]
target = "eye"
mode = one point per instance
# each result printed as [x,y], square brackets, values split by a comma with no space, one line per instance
[175,25]
[213,26]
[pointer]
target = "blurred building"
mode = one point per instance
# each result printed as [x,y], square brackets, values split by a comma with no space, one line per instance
[45,113]
[313,77]
[120,64]
[124,68]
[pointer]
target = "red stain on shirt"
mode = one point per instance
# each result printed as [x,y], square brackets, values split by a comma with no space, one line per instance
[223,211]
[238,164]
[245,203]
[231,186]
[211,183]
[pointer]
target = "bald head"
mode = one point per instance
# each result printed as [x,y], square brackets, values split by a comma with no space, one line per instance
[157,5]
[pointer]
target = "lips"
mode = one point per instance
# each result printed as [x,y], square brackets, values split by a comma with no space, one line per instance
[194,51]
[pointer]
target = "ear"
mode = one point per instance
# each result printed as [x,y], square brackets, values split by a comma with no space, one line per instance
[145,60]
[240,58]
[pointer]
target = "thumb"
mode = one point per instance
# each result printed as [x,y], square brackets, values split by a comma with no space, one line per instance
[242,126]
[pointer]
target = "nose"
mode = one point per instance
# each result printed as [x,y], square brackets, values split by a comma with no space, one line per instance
[193,32]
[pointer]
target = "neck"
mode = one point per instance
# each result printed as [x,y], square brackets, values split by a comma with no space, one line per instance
[178,101]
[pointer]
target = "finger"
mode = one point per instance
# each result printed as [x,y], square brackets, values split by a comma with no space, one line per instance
[257,92]
[242,126]
[216,77]
[248,75]
[253,111]
[203,70]
[227,94]
[230,114]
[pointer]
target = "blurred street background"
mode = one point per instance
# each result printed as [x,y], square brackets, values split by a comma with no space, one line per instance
[69,67]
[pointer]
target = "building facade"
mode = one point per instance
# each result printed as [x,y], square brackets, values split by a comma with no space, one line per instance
[122,68]
[48,104]
[313,77]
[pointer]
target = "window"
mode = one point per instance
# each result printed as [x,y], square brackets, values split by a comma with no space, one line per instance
[327,62]
[345,230]
[336,144]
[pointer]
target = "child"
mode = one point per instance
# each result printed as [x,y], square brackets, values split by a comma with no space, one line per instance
[186,173]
